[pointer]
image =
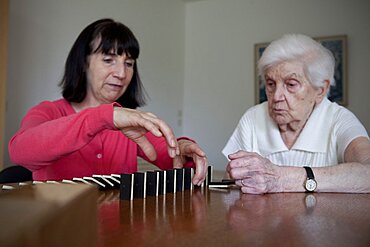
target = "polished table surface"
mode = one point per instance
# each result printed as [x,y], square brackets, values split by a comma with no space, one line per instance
[210,217]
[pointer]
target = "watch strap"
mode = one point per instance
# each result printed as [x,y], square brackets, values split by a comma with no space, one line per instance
[309,172]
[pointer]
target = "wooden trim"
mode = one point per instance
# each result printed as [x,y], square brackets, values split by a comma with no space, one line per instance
[4,13]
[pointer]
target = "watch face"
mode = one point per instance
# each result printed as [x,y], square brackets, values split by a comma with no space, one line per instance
[311,185]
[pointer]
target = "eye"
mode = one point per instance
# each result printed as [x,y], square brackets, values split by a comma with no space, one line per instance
[129,63]
[292,84]
[270,85]
[108,60]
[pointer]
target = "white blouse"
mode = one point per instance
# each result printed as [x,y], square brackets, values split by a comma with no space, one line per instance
[322,142]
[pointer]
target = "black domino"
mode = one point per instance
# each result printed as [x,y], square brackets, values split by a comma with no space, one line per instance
[127,187]
[162,182]
[179,179]
[188,176]
[152,183]
[225,183]
[139,185]
[95,181]
[171,181]
[104,180]
[209,175]
[81,180]
[114,180]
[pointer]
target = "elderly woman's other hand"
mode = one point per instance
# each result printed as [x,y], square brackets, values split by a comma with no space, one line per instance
[191,150]
[135,124]
[253,173]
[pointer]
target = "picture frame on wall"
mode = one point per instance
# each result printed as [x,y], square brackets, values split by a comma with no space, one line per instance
[338,46]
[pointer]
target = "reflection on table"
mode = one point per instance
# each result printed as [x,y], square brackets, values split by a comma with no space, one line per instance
[206,217]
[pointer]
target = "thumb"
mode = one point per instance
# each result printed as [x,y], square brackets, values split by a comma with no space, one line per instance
[237,155]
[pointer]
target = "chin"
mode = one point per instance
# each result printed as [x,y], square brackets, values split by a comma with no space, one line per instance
[280,120]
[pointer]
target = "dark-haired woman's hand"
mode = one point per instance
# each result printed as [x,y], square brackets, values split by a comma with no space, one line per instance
[135,124]
[191,150]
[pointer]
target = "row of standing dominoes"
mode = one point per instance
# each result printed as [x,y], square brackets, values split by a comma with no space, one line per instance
[155,183]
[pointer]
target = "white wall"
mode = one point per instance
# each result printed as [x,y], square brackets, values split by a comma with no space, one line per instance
[43,31]
[219,57]
[196,55]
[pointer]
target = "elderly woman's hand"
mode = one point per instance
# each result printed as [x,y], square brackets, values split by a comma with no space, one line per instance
[135,124]
[253,173]
[189,149]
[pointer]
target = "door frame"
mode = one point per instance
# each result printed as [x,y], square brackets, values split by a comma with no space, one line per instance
[4,25]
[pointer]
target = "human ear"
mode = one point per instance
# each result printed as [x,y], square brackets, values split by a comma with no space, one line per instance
[322,91]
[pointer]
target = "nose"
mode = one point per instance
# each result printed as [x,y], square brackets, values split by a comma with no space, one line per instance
[279,93]
[120,70]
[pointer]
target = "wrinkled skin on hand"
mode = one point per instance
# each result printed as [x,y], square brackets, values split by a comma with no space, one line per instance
[253,173]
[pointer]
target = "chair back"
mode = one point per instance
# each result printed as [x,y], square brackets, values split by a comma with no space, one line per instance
[15,174]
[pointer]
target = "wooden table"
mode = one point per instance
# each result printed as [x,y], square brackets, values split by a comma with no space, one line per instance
[48,215]
[228,218]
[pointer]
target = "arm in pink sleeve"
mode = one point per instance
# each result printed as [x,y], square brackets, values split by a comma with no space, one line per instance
[47,134]
[163,161]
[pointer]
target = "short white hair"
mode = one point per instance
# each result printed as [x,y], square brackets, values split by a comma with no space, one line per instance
[318,62]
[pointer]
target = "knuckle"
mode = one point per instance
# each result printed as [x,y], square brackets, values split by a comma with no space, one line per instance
[233,173]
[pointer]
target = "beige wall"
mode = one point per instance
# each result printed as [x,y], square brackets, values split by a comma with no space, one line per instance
[42,32]
[219,60]
[197,56]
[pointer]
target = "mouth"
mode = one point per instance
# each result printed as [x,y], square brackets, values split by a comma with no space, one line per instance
[278,111]
[115,86]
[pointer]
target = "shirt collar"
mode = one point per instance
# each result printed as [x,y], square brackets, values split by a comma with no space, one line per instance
[315,134]
[313,138]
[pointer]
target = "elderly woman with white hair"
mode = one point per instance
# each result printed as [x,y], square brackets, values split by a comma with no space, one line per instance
[298,140]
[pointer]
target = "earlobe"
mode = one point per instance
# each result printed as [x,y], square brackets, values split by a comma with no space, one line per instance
[326,87]
[322,91]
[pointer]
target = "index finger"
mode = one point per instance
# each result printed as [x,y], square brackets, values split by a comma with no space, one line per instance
[167,133]
[238,163]
[238,154]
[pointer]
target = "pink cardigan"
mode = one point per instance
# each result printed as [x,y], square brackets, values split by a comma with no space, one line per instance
[56,143]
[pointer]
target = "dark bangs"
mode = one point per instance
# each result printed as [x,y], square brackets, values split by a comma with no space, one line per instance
[116,38]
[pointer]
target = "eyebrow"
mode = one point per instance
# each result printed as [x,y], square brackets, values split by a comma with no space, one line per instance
[291,75]
[294,75]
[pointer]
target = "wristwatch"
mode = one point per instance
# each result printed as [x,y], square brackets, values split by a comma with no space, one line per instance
[310,183]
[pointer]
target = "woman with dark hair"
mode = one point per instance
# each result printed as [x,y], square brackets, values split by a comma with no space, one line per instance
[113,37]
[95,128]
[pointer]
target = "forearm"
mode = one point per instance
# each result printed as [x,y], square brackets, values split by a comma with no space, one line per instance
[42,140]
[345,178]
